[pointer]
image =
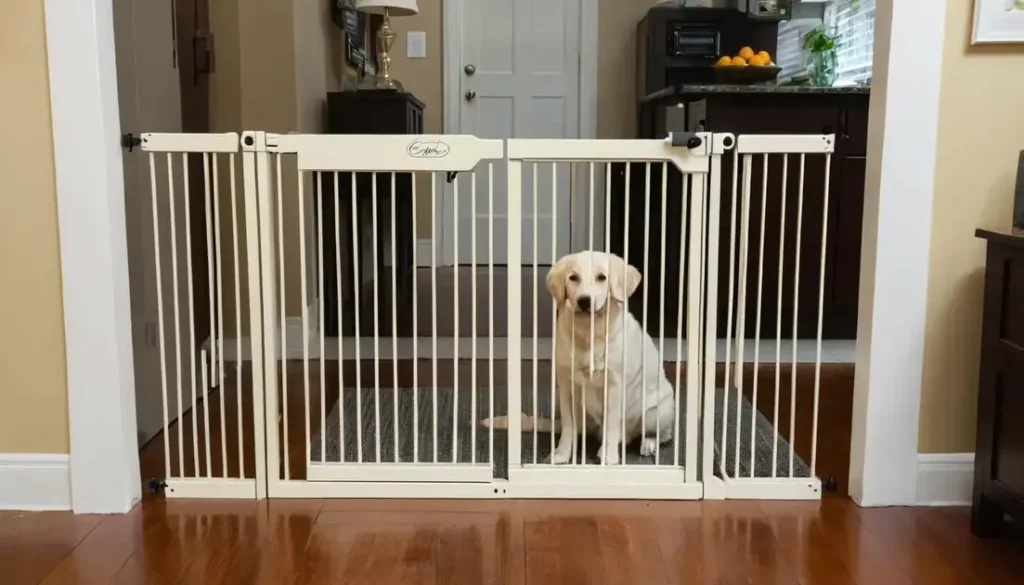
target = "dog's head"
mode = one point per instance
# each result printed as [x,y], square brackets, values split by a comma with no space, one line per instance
[586,280]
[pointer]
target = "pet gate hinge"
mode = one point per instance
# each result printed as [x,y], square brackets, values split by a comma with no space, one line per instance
[130,141]
[155,485]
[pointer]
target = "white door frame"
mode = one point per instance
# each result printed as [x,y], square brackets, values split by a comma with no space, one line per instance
[452,12]
[93,246]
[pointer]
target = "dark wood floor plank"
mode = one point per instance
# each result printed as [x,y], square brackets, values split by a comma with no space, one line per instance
[32,544]
[103,553]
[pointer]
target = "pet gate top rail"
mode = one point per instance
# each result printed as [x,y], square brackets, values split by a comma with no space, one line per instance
[200,143]
[383,153]
[785,143]
[689,160]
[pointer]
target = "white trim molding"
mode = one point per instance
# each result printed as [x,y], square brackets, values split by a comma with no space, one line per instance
[945,479]
[104,461]
[35,481]
[903,129]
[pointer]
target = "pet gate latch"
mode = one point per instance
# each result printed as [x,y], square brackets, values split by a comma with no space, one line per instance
[130,141]
[156,485]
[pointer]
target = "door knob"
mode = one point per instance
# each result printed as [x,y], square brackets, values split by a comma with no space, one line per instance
[470,95]
[469,69]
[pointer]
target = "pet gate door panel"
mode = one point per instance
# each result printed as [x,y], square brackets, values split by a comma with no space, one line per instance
[772,363]
[208,314]
[620,343]
[381,363]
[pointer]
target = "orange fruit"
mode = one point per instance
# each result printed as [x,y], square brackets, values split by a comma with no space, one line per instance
[756,61]
[746,52]
[765,57]
[725,60]
[740,61]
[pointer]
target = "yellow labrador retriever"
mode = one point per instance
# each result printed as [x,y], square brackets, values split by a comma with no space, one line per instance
[596,337]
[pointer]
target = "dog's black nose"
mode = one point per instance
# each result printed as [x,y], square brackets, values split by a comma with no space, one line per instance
[583,303]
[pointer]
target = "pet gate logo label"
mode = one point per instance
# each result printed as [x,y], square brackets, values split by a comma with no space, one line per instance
[428,149]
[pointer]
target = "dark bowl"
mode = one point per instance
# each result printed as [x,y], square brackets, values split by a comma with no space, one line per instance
[740,74]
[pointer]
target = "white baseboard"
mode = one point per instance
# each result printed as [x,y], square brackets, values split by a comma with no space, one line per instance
[35,481]
[424,248]
[945,479]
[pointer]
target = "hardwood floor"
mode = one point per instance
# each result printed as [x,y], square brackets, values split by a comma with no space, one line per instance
[834,419]
[474,542]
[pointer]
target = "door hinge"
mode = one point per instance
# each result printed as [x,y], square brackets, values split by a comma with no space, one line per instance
[130,141]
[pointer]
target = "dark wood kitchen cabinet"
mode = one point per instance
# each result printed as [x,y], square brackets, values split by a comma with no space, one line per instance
[843,114]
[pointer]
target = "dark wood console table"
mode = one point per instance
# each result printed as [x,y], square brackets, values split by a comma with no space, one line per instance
[999,453]
[369,112]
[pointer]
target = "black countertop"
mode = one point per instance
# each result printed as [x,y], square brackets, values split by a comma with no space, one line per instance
[699,91]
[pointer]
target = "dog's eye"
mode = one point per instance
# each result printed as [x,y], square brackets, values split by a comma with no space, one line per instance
[601,278]
[574,277]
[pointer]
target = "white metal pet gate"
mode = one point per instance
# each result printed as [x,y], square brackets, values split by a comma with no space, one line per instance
[441,383]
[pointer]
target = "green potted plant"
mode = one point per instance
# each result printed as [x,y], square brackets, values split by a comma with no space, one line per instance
[821,56]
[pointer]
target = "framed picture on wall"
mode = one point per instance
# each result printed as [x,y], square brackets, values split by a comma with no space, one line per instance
[998,21]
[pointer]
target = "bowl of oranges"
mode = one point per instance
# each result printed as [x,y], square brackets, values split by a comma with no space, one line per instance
[747,66]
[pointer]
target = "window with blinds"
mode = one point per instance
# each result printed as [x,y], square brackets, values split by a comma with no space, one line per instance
[854,23]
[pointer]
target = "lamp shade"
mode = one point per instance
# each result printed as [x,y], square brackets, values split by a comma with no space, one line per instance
[395,7]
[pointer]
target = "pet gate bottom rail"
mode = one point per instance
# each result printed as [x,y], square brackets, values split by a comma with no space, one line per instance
[555,335]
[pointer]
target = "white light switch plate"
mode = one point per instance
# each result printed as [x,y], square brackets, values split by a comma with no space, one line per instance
[416,44]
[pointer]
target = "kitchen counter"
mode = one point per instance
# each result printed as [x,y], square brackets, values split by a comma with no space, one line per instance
[699,91]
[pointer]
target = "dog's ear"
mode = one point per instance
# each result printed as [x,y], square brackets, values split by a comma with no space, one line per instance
[556,282]
[623,278]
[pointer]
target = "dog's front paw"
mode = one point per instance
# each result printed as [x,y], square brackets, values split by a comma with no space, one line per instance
[648,447]
[561,456]
[608,455]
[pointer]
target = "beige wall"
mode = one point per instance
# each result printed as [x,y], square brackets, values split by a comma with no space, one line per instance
[981,130]
[33,386]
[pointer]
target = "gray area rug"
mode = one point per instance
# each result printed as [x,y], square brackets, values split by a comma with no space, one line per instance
[416,415]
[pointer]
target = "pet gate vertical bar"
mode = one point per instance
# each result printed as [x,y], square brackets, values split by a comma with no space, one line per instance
[554,312]
[455,307]
[394,316]
[821,312]
[177,312]
[264,348]
[473,331]
[321,305]
[490,309]
[757,322]
[625,312]
[218,349]
[643,345]
[536,316]
[714,187]
[415,330]
[341,323]
[238,312]
[607,321]
[282,276]
[778,315]
[796,312]
[683,279]
[693,329]
[192,332]
[515,316]
[212,353]
[727,386]
[376,319]
[744,244]
[661,308]
[593,309]
[357,260]
[433,304]
[304,301]
[160,312]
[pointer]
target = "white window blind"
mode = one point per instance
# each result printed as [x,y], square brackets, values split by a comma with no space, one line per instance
[854,23]
[790,55]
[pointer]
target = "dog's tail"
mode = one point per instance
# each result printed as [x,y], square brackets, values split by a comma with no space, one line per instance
[541,424]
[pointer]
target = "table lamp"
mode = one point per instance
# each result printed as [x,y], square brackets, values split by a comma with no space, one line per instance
[385,38]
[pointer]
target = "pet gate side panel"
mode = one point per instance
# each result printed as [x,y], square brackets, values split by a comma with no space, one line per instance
[201,236]
[364,392]
[566,191]
[765,422]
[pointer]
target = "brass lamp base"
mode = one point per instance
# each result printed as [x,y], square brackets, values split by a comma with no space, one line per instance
[383,80]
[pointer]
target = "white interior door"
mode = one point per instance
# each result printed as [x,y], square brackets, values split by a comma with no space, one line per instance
[519,77]
[148,101]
